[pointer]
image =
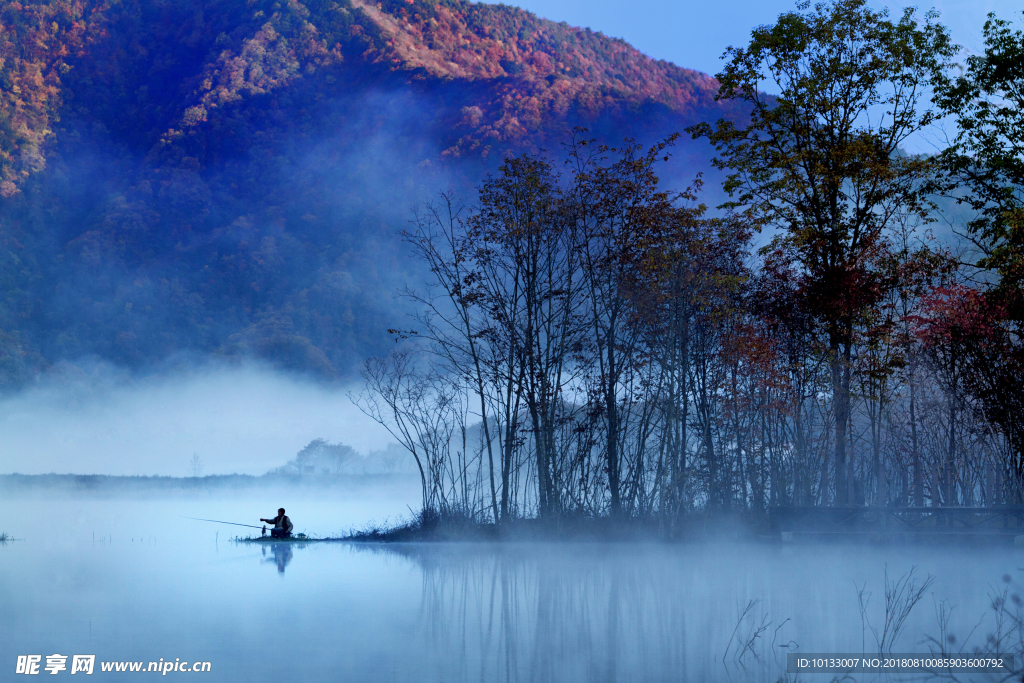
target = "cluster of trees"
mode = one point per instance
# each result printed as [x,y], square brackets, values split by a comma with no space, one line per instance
[321,457]
[595,344]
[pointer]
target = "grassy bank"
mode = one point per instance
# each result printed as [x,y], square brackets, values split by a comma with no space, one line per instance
[434,527]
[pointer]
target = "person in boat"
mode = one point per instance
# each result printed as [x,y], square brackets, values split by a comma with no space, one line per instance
[282,525]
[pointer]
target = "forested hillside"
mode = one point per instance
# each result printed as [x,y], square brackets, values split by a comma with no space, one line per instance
[181,178]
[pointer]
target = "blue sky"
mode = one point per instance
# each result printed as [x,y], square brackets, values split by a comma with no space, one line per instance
[695,33]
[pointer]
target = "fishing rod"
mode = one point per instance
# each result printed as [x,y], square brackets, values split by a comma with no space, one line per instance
[217,521]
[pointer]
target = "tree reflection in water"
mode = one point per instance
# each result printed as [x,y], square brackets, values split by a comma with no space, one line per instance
[587,613]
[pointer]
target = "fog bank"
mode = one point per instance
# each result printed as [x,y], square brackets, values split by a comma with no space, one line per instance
[242,419]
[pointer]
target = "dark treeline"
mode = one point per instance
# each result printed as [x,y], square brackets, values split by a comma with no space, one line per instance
[594,344]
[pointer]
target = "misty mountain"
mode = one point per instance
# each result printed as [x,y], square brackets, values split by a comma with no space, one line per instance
[191,178]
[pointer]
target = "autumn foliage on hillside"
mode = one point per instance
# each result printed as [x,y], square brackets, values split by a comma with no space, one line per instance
[542,69]
[167,71]
[36,42]
[216,176]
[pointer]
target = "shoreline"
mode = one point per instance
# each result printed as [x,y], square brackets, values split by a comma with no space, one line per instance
[724,529]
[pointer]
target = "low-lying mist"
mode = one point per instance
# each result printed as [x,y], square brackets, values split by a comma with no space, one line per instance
[244,419]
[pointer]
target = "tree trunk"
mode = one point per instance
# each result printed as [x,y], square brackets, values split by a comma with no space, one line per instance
[612,441]
[841,406]
[915,452]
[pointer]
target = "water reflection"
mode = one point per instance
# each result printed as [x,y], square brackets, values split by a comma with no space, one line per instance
[618,613]
[516,614]
[281,555]
[461,612]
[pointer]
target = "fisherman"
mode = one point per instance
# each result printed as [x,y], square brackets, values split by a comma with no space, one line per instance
[282,525]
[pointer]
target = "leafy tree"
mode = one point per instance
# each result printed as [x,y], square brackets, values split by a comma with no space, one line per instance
[620,211]
[988,103]
[527,246]
[985,159]
[965,335]
[821,162]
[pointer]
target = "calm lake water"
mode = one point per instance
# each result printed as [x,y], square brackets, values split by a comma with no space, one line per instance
[153,585]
